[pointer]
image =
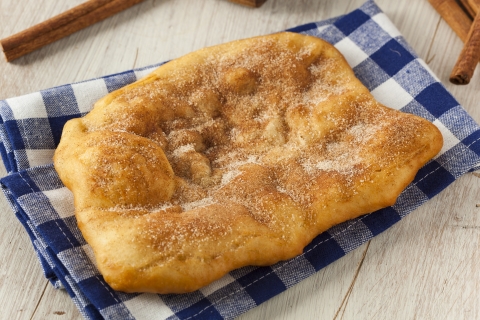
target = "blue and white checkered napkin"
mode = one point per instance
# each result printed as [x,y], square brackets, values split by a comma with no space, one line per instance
[30,129]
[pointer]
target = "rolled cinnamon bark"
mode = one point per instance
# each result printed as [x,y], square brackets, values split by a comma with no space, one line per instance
[61,26]
[469,56]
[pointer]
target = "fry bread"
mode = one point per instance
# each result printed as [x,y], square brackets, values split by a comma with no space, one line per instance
[234,155]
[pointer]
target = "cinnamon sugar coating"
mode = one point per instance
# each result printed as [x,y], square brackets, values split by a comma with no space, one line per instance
[233,155]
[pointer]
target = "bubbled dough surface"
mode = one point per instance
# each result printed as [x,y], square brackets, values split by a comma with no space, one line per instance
[234,155]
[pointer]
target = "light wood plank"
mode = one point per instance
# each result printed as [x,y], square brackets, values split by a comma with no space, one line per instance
[21,278]
[427,265]
[55,304]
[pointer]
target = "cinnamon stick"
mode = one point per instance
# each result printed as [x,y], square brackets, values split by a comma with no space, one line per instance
[465,5]
[469,56]
[61,26]
[455,17]
[475,5]
[250,3]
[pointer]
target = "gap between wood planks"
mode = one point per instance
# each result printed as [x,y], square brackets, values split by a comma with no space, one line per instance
[39,300]
[477,174]
[427,58]
[344,303]
[135,60]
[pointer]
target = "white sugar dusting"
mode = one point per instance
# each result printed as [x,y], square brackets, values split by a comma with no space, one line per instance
[197,204]
[183,149]
[229,176]
[234,169]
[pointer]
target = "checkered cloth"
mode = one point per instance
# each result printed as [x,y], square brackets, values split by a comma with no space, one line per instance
[31,126]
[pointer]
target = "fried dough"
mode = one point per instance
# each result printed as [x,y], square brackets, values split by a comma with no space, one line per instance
[233,155]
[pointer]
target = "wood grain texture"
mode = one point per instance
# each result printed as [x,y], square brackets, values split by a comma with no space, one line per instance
[469,56]
[425,264]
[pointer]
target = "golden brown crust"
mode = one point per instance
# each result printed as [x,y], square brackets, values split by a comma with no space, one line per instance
[234,155]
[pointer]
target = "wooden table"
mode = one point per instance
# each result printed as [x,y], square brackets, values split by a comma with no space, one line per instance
[425,267]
